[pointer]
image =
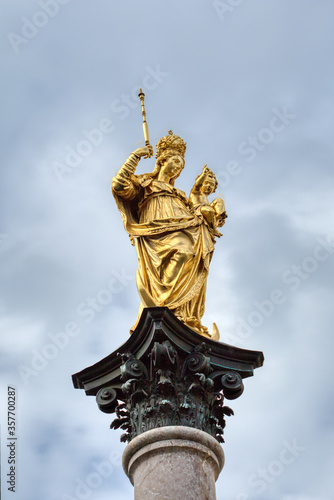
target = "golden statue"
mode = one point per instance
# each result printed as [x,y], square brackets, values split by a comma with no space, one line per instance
[174,237]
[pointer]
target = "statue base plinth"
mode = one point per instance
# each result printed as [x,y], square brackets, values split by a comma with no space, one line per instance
[173,463]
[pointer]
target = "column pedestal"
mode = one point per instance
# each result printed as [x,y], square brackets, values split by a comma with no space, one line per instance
[173,463]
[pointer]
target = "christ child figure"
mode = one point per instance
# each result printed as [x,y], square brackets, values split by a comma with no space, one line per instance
[213,213]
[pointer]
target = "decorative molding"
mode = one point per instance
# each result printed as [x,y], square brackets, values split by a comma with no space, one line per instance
[165,375]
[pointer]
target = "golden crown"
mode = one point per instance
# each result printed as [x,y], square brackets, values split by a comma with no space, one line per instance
[171,142]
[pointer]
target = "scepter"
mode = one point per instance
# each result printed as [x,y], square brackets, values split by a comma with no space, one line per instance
[141,96]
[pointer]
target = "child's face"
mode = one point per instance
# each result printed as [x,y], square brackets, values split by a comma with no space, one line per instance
[208,186]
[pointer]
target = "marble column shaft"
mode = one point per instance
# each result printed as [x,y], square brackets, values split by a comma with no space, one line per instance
[173,463]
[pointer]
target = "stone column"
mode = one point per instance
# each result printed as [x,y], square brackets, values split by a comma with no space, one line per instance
[173,463]
[167,386]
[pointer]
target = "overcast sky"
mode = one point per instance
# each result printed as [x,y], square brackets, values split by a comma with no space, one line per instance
[249,86]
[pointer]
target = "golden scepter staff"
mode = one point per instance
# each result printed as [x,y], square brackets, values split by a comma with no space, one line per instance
[141,96]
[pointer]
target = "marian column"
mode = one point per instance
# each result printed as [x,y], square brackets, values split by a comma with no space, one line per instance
[168,383]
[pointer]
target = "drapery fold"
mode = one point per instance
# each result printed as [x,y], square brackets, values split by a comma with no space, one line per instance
[174,247]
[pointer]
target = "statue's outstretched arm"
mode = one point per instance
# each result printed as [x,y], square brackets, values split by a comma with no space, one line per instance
[122,184]
[199,181]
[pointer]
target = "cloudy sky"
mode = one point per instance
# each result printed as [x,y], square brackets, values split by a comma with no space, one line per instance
[249,86]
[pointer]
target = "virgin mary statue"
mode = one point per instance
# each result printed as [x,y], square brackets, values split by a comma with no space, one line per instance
[174,244]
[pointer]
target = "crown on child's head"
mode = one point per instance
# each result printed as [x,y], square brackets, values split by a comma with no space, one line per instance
[169,143]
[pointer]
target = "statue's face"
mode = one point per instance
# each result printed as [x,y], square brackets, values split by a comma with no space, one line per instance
[173,166]
[208,186]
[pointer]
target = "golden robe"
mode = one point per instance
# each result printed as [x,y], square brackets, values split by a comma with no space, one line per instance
[174,246]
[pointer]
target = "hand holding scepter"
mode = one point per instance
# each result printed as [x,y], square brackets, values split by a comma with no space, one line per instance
[141,96]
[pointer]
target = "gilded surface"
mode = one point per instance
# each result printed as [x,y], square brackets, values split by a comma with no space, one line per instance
[174,236]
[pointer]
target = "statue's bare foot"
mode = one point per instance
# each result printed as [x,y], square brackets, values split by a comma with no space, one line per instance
[215,332]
